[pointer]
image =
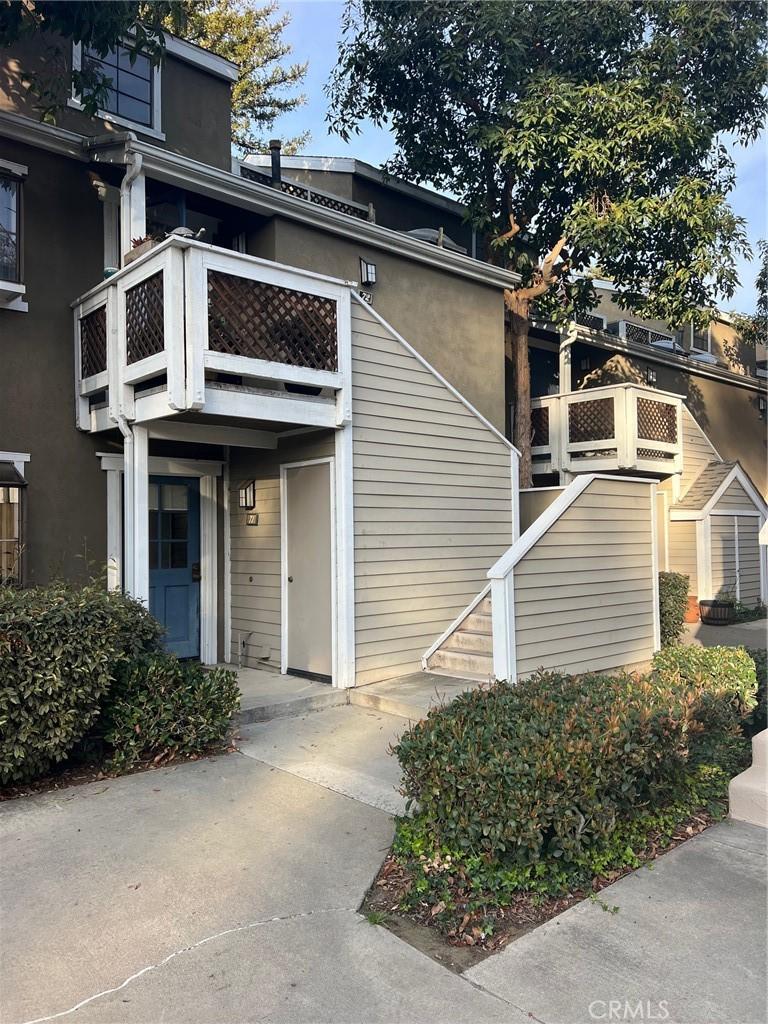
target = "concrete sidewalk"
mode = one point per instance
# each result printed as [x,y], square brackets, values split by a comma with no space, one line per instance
[687,944]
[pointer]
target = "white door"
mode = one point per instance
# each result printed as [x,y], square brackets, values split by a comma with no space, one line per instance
[308,570]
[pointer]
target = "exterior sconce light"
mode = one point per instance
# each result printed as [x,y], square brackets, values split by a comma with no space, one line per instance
[367,272]
[650,375]
[762,405]
[248,495]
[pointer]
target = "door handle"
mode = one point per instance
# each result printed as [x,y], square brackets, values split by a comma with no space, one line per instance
[196,574]
[290,579]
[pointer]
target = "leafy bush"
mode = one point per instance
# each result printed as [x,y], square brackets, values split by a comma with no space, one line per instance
[538,779]
[673,602]
[161,706]
[719,681]
[758,720]
[59,649]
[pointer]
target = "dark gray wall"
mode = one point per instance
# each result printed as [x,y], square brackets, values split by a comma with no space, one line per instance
[63,243]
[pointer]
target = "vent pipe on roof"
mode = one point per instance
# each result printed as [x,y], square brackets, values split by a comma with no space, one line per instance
[275,146]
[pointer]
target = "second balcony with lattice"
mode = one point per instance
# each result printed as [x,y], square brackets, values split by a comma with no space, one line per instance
[193,328]
[617,427]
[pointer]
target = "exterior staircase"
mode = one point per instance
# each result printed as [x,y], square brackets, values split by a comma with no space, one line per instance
[466,650]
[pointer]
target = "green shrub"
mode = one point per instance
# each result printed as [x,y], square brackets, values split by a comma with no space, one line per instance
[161,706]
[59,649]
[673,602]
[758,720]
[536,778]
[719,681]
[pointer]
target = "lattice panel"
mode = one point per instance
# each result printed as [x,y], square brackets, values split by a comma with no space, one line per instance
[264,321]
[595,323]
[651,453]
[337,204]
[93,342]
[539,426]
[591,420]
[644,335]
[305,192]
[656,421]
[145,335]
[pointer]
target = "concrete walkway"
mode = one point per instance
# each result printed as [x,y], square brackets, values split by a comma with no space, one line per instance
[687,944]
[227,890]
[224,890]
[740,634]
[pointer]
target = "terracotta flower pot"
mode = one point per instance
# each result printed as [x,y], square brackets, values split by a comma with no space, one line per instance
[715,613]
[692,610]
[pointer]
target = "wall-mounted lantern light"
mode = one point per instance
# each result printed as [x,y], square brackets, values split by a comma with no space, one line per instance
[248,495]
[367,272]
[650,375]
[762,405]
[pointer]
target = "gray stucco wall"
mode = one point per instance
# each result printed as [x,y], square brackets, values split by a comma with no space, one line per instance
[63,242]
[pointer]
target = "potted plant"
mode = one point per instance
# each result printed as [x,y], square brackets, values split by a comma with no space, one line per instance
[720,611]
[139,246]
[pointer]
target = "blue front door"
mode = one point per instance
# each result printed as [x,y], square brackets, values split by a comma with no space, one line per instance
[174,561]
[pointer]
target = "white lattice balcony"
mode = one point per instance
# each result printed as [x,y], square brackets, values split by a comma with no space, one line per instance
[191,327]
[620,426]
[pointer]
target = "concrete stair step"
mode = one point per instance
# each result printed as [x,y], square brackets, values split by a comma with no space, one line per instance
[459,662]
[478,622]
[290,707]
[469,640]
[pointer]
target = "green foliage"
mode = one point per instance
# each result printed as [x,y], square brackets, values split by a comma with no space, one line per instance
[753,330]
[59,649]
[558,776]
[251,36]
[673,602]
[160,707]
[759,718]
[600,123]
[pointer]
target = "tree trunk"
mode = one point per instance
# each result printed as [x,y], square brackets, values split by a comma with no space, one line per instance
[519,307]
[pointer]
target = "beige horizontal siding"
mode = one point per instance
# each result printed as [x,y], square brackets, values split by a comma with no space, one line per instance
[734,497]
[698,451]
[749,560]
[433,502]
[723,553]
[584,593]
[255,587]
[682,552]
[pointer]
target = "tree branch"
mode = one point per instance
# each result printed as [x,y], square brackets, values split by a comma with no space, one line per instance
[547,273]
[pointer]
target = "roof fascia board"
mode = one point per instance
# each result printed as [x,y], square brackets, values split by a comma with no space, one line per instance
[616,344]
[42,136]
[350,165]
[239,191]
[201,58]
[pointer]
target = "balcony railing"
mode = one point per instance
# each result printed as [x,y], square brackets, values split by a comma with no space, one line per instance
[186,316]
[621,426]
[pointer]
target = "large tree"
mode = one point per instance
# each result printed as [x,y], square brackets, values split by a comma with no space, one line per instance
[579,134]
[240,30]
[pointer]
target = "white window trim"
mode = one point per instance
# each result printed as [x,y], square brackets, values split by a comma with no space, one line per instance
[154,131]
[12,292]
[698,348]
[17,458]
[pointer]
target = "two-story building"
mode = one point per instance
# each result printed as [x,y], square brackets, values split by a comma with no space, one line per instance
[268,398]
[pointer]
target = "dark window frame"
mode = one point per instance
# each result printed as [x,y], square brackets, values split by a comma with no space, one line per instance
[114,65]
[17,276]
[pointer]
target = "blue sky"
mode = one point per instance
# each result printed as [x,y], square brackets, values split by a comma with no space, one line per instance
[314,33]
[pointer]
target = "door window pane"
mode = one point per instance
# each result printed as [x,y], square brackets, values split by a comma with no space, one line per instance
[175,497]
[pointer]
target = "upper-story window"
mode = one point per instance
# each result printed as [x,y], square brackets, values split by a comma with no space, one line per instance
[701,340]
[10,250]
[132,96]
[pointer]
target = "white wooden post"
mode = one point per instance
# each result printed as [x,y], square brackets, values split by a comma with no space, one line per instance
[140,554]
[128,510]
[344,669]
[173,324]
[209,570]
[133,214]
[503,626]
[564,412]
[623,411]
[196,326]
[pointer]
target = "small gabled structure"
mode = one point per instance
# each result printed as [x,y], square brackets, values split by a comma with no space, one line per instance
[715,535]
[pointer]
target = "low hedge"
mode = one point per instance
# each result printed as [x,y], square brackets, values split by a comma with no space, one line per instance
[161,707]
[60,647]
[758,720]
[673,603]
[538,778]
